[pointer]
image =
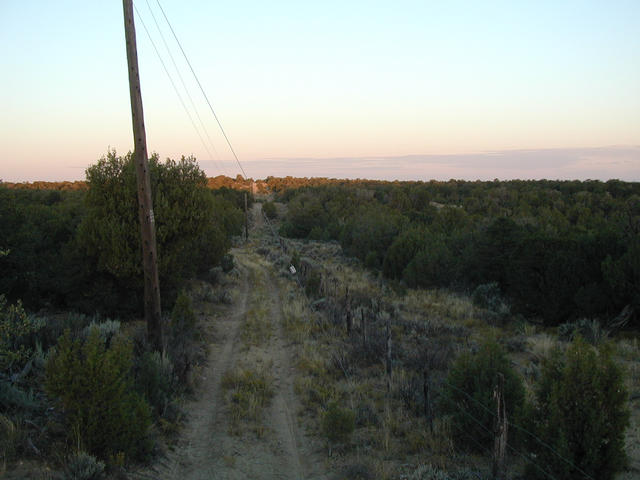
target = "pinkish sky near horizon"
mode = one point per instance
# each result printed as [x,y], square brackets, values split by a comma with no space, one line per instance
[360,89]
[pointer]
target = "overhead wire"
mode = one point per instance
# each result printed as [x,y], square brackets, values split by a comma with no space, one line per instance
[184,85]
[175,88]
[203,92]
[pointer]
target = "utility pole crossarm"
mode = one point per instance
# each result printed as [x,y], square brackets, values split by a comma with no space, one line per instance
[152,312]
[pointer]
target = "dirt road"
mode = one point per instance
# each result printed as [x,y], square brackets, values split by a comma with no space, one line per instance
[209,447]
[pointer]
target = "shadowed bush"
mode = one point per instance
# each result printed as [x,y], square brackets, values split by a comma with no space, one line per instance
[92,385]
[468,394]
[82,466]
[337,424]
[269,209]
[581,412]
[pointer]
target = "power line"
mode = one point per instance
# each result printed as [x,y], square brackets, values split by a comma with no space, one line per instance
[184,85]
[175,88]
[202,90]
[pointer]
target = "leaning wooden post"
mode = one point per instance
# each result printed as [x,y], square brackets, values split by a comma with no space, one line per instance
[389,370]
[349,319]
[500,430]
[152,312]
[364,329]
[428,408]
[246,219]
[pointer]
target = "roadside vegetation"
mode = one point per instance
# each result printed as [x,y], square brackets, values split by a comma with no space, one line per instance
[423,403]
[81,391]
[554,251]
[413,309]
[249,384]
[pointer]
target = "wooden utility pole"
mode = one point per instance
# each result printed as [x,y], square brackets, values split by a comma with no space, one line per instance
[389,367]
[363,324]
[500,430]
[246,219]
[152,312]
[349,318]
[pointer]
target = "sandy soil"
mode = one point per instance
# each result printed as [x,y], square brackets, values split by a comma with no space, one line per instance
[207,449]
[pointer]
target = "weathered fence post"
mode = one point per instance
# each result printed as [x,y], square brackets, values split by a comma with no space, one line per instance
[428,408]
[500,430]
[389,368]
[349,319]
[246,219]
[363,325]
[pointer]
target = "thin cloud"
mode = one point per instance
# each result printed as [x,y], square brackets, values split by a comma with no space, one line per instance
[602,163]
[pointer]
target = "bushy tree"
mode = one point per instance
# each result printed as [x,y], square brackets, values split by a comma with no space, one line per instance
[403,249]
[337,423]
[191,225]
[432,265]
[35,230]
[581,413]
[305,213]
[92,383]
[468,394]
[371,230]
[17,332]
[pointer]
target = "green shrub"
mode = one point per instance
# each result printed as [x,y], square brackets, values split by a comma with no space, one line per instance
[16,332]
[92,384]
[155,381]
[589,330]
[82,466]
[269,209]
[317,233]
[468,394]
[191,229]
[227,263]
[181,337]
[372,260]
[313,282]
[14,398]
[338,424]
[581,413]
[107,329]
[433,265]
[488,296]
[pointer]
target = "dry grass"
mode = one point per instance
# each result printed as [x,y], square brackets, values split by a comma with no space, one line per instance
[247,392]
[541,344]
[256,329]
[390,435]
[297,321]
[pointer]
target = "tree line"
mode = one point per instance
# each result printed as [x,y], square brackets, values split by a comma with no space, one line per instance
[79,249]
[555,250]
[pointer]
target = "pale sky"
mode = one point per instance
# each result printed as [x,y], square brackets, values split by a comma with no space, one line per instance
[394,89]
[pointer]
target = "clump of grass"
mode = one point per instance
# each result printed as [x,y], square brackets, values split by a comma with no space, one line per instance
[10,440]
[256,329]
[629,349]
[82,466]
[296,323]
[248,393]
[541,344]
[337,425]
